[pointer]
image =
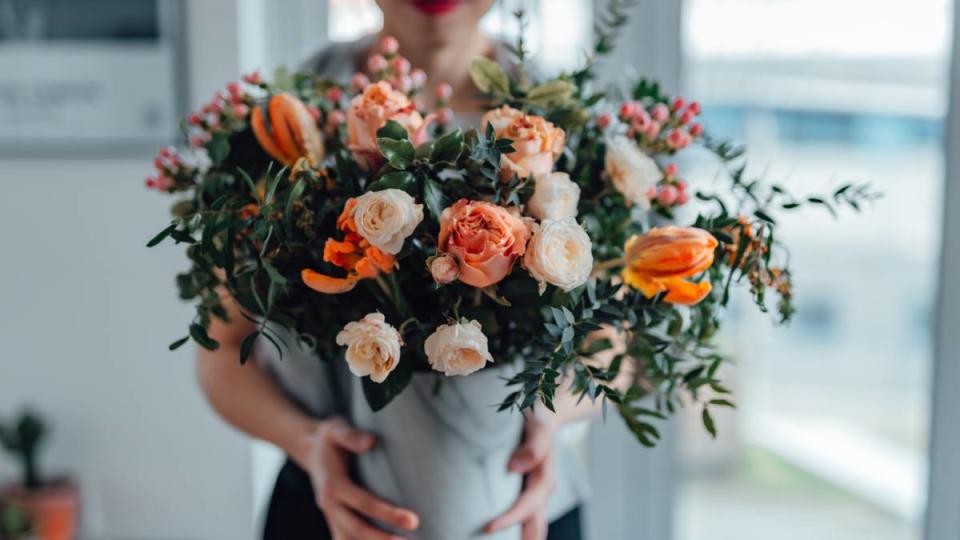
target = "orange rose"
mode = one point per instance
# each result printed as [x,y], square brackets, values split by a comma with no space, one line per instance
[292,134]
[537,143]
[485,239]
[370,111]
[354,254]
[659,260]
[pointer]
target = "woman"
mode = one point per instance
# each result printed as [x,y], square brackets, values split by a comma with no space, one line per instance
[299,404]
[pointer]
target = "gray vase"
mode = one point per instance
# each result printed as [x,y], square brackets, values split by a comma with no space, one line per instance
[444,455]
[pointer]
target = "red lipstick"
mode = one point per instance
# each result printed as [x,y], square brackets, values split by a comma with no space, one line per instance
[436,7]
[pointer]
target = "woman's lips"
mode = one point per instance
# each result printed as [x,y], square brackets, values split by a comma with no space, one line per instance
[436,7]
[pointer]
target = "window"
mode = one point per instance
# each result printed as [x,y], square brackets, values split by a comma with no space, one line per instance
[829,439]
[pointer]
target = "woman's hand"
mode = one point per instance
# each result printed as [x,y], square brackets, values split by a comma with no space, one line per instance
[328,454]
[533,458]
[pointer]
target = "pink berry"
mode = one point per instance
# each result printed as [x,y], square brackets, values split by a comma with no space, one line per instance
[193,119]
[670,170]
[696,130]
[641,119]
[631,133]
[652,131]
[314,112]
[678,139]
[400,65]
[198,140]
[402,83]
[389,45]
[334,94]
[603,121]
[359,82]
[167,152]
[159,164]
[682,185]
[235,91]
[695,108]
[150,182]
[253,78]
[376,63]
[443,91]
[216,107]
[651,193]
[419,77]
[678,104]
[660,112]
[445,116]
[667,195]
[683,197]
[164,183]
[629,109]
[687,117]
[241,110]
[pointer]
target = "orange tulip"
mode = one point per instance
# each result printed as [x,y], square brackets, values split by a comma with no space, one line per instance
[292,134]
[659,260]
[354,254]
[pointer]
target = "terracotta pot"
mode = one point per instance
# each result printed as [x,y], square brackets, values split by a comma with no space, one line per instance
[53,510]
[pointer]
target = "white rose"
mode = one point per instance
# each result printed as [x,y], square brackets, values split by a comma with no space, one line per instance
[373,346]
[457,349]
[559,253]
[633,172]
[386,218]
[555,196]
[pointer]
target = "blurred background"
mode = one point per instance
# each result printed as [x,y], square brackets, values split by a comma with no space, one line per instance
[844,426]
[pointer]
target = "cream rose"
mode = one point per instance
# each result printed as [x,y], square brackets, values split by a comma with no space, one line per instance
[633,173]
[373,346]
[560,254]
[457,349]
[537,143]
[555,196]
[370,111]
[386,218]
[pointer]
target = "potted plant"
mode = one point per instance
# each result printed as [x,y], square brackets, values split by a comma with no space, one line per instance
[51,506]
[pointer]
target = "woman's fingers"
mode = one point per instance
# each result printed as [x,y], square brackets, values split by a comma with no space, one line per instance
[366,504]
[350,526]
[532,501]
[339,432]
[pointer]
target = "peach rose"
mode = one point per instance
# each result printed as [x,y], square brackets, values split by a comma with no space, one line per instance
[457,349]
[373,346]
[537,143]
[485,239]
[370,111]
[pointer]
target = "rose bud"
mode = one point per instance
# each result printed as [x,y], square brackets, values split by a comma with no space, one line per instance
[444,269]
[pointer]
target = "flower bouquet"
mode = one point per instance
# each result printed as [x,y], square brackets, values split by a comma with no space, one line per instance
[357,216]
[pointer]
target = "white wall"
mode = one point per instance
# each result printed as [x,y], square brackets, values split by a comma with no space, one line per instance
[88,312]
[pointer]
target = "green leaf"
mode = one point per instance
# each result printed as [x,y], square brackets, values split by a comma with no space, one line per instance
[433,197]
[178,343]
[708,423]
[379,395]
[199,334]
[294,195]
[218,147]
[400,153]
[246,347]
[395,180]
[393,130]
[274,274]
[551,93]
[161,235]
[447,149]
[597,346]
[489,76]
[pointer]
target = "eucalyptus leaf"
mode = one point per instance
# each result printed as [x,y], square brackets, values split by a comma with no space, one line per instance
[489,76]
[551,93]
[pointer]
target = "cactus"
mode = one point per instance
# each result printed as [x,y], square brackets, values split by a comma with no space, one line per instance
[22,438]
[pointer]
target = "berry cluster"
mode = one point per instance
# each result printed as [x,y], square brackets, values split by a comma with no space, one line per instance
[671,191]
[171,172]
[227,110]
[661,128]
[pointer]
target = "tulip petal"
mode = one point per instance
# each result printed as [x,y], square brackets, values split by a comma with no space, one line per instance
[648,286]
[263,137]
[687,293]
[328,284]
